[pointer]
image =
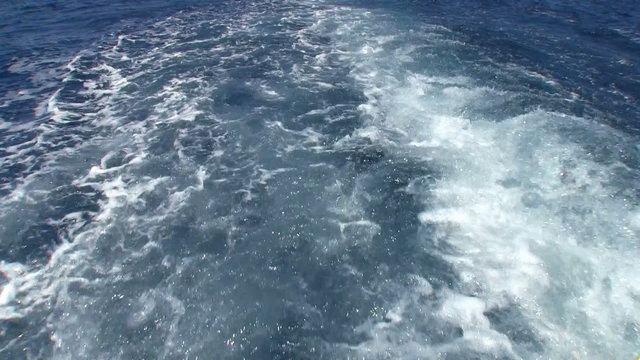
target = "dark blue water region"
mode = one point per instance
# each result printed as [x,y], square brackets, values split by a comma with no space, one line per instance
[47,33]
[591,47]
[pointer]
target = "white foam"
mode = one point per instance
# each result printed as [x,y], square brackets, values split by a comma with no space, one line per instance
[468,313]
[11,271]
[359,232]
[529,213]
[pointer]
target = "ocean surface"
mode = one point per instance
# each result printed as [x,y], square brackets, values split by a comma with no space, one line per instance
[330,179]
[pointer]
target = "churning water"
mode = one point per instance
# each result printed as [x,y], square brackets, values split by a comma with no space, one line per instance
[320,180]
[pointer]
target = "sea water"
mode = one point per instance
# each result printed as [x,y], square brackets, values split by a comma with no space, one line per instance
[319,180]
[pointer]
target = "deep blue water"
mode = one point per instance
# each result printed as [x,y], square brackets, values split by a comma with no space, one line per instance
[319,180]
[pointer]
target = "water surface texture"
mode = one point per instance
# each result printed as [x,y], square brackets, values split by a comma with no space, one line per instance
[335,179]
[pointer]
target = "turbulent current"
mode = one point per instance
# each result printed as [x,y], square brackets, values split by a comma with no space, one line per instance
[321,180]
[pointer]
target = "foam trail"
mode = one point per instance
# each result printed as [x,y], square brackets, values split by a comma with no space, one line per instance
[535,220]
[281,180]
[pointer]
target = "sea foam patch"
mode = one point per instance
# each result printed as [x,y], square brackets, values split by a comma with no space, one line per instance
[525,209]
